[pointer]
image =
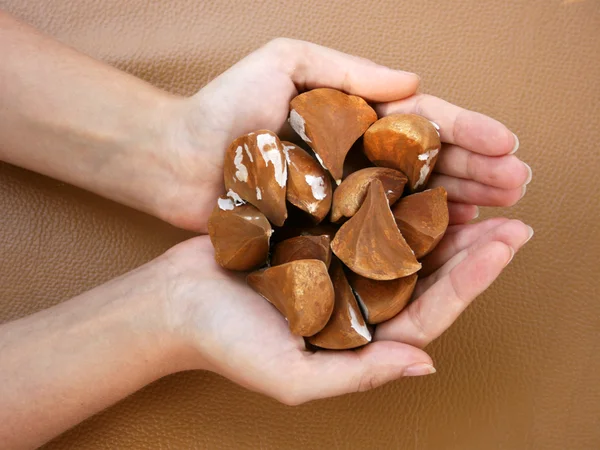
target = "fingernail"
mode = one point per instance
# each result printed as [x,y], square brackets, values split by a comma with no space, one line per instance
[417,370]
[530,176]
[476,213]
[512,255]
[530,235]
[516,147]
[524,190]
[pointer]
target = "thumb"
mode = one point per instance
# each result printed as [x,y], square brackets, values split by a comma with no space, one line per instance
[335,373]
[312,66]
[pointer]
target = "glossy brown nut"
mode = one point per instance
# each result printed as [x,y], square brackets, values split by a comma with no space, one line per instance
[423,219]
[382,300]
[302,247]
[330,122]
[371,244]
[255,170]
[405,142]
[346,328]
[308,185]
[350,194]
[301,290]
[240,235]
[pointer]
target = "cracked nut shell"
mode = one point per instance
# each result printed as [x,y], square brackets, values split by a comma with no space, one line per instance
[239,234]
[382,300]
[423,219]
[371,244]
[350,194]
[302,247]
[346,328]
[405,142]
[255,170]
[301,290]
[308,185]
[330,121]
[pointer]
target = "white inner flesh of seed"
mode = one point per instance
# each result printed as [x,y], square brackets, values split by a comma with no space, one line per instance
[241,170]
[286,152]
[317,186]
[248,153]
[356,326]
[297,123]
[267,145]
[258,193]
[427,156]
[237,200]
[320,161]
[361,304]
[226,204]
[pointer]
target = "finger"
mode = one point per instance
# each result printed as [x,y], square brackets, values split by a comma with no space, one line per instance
[312,66]
[506,172]
[468,129]
[513,233]
[474,193]
[461,213]
[456,239]
[433,312]
[328,373]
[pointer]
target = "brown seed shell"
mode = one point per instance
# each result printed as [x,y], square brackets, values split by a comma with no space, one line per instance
[350,194]
[382,300]
[346,328]
[405,142]
[308,185]
[301,290]
[240,235]
[255,170]
[330,121]
[371,244]
[302,247]
[423,219]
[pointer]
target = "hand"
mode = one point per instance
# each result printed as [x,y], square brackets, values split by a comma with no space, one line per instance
[238,334]
[182,311]
[474,165]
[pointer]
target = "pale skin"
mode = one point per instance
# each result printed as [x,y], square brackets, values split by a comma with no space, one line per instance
[70,117]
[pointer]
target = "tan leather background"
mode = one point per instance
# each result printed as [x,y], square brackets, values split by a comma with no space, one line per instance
[518,371]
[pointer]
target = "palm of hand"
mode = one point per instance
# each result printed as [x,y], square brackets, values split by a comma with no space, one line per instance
[243,337]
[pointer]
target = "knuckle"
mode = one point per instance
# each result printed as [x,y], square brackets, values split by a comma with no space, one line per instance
[472,169]
[421,105]
[415,313]
[347,85]
[280,44]
[369,381]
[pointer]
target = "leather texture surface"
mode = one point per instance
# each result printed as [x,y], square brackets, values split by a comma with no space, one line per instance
[519,370]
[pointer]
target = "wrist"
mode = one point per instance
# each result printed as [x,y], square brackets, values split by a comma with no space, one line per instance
[150,154]
[191,157]
[150,322]
[177,307]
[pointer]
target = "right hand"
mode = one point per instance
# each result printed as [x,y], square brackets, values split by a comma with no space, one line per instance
[474,165]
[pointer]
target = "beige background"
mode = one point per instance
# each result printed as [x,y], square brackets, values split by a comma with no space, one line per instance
[519,370]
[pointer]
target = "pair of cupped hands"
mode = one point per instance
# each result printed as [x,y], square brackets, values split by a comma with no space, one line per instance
[227,327]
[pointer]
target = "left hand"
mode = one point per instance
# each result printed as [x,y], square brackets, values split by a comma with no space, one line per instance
[232,331]
[475,165]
